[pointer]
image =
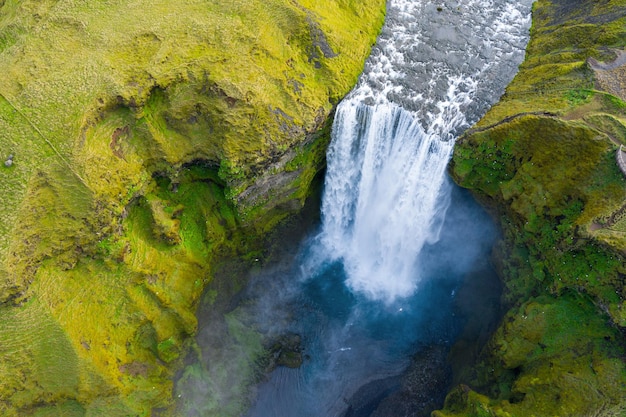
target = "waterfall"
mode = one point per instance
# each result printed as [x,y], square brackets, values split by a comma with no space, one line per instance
[379,281]
[435,70]
[382,196]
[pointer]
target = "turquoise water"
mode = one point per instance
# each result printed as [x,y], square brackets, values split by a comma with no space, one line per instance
[350,341]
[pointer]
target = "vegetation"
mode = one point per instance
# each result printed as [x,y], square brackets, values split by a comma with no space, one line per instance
[145,139]
[543,161]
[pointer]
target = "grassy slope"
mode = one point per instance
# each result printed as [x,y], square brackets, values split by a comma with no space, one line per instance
[136,128]
[543,159]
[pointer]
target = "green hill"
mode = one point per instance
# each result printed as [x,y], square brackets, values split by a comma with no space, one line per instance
[144,141]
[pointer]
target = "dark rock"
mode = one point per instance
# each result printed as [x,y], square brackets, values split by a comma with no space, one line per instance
[423,386]
[289,358]
[370,395]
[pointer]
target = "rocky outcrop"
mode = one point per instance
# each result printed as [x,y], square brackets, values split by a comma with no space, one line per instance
[421,387]
[543,162]
[611,76]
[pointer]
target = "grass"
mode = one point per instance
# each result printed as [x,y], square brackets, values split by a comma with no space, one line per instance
[38,360]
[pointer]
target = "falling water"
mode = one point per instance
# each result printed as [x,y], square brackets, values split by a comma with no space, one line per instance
[436,68]
[382,196]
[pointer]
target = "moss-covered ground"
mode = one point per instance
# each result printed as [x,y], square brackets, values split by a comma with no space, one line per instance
[147,140]
[544,161]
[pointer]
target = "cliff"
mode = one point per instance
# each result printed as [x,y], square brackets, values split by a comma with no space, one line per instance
[544,161]
[141,143]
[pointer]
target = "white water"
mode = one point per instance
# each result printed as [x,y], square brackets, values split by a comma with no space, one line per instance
[432,74]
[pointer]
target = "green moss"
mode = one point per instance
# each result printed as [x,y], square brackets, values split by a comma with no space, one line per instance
[40,365]
[49,226]
[609,125]
[167,350]
[563,358]
[615,104]
[578,97]
[551,357]
[67,409]
[462,401]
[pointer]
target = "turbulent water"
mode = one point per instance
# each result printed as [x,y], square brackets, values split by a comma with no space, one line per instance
[435,70]
[378,283]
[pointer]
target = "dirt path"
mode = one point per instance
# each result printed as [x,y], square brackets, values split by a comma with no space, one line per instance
[611,76]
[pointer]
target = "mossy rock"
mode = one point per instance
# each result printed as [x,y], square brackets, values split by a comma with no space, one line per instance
[550,182]
[551,356]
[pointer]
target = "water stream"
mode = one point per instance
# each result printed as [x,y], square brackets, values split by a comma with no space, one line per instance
[378,284]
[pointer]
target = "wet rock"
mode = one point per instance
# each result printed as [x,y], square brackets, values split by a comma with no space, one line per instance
[289,358]
[370,395]
[423,386]
[416,393]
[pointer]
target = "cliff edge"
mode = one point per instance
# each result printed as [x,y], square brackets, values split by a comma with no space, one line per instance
[545,162]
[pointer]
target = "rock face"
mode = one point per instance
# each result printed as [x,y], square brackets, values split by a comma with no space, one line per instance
[148,140]
[543,160]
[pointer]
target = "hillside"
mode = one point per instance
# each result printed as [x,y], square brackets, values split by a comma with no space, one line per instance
[544,161]
[141,143]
